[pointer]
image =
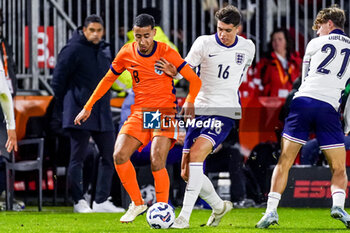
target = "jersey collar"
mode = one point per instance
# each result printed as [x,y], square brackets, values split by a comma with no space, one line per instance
[338,31]
[153,50]
[220,43]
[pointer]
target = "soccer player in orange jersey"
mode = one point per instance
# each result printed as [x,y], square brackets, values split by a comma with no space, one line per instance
[154,91]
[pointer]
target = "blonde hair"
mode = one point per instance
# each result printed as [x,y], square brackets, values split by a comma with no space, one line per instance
[333,13]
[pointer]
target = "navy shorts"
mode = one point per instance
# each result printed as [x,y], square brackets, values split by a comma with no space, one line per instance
[308,114]
[216,135]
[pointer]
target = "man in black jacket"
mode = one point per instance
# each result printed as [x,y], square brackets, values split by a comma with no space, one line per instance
[81,64]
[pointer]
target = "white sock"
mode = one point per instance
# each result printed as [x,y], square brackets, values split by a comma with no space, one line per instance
[338,197]
[193,187]
[208,194]
[272,201]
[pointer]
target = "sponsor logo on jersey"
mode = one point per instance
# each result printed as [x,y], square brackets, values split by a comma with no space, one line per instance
[212,55]
[239,58]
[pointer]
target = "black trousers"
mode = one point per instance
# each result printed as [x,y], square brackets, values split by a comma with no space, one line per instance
[79,140]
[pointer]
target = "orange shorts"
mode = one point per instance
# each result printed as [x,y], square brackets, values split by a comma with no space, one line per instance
[134,127]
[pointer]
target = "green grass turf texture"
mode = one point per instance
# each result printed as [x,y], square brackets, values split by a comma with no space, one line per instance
[62,219]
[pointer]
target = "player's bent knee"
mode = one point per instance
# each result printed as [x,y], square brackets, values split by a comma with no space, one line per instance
[157,165]
[195,155]
[339,171]
[120,157]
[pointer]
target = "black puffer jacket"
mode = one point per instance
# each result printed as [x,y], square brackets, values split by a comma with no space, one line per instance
[80,67]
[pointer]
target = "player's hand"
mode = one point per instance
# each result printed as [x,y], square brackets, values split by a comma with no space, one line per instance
[82,116]
[166,67]
[187,110]
[181,138]
[11,143]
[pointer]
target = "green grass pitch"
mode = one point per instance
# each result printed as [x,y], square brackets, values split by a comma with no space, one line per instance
[61,219]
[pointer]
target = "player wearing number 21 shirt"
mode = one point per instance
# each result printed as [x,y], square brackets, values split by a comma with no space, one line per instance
[315,109]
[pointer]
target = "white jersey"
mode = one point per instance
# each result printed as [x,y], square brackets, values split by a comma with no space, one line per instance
[221,69]
[326,68]
[6,100]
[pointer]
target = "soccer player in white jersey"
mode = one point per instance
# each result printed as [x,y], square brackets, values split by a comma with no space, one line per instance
[315,107]
[223,59]
[7,108]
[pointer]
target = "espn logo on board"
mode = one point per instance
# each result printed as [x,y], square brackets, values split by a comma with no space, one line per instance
[314,189]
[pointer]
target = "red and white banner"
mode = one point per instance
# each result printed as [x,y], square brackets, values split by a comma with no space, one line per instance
[45,47]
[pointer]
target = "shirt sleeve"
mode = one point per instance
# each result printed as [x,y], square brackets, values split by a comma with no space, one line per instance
[174,58]
[6,102]
[195,83]
[194,58]
[116,68]
[306,61]
[195,55]
[251,54]
[182,67]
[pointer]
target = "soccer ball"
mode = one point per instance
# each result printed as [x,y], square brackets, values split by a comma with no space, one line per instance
[148,194]
[160,215]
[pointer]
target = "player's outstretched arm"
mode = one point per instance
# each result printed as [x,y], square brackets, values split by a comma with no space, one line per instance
[101,89]
[7,108]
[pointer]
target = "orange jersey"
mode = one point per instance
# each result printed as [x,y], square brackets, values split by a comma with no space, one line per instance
[152,87]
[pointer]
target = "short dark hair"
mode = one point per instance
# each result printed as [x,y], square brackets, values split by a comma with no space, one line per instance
[229,15]
[144,20]
[93,19]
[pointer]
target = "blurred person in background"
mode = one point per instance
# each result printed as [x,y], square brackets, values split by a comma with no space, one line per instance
[281,67]
[81,64]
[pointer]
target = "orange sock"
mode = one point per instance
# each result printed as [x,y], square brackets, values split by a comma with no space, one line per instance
[162,185]
[127,176]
